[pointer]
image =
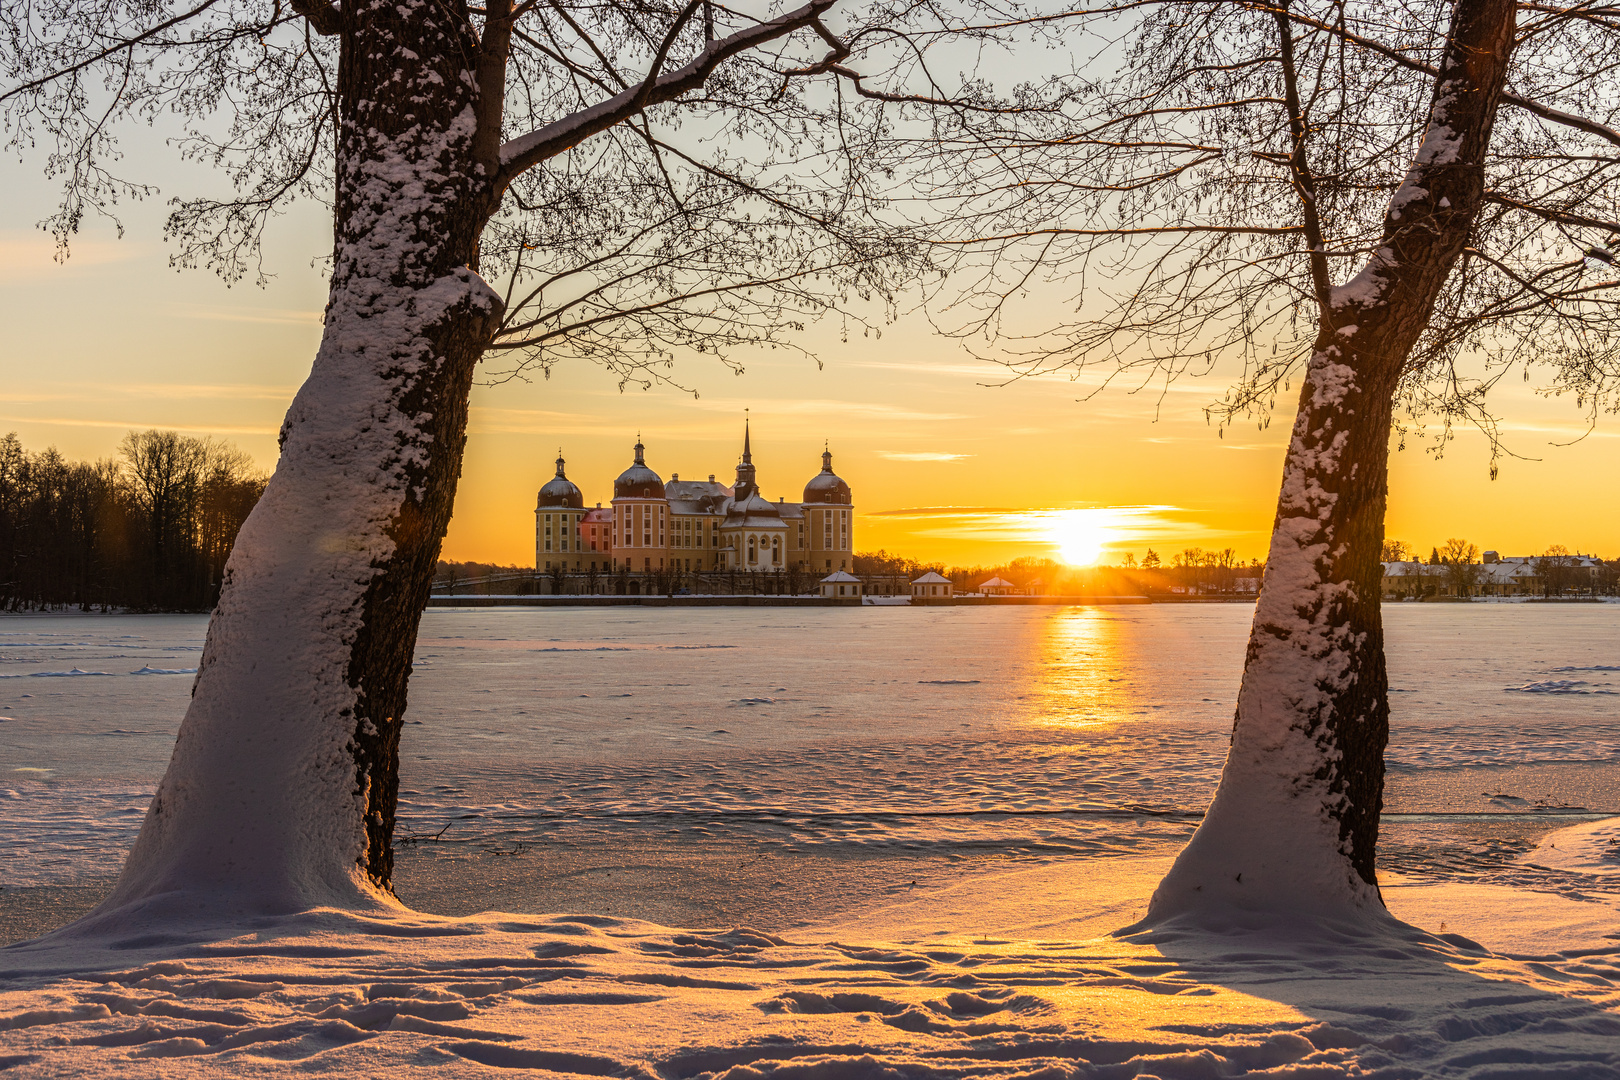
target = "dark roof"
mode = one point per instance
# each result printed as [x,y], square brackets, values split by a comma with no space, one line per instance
[826,486]
[560,491]
[638,481]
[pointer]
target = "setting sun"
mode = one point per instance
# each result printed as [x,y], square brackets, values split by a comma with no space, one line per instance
[1081,535]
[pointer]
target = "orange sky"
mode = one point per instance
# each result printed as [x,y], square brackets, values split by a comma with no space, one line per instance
[942,466]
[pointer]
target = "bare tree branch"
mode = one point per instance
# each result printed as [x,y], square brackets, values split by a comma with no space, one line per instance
[526,151]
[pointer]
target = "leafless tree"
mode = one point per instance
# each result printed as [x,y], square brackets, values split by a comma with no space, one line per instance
[1201,203]
[194,495]
[1394,204]
[1461,560]
[552,180]
[1556,568]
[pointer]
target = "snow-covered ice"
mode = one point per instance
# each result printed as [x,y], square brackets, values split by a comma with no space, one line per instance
[976,731]
[1043,765]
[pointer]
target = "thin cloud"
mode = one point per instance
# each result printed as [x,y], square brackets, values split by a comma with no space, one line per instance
[1218,444]
[1563,431]
[143,425]
[32,255]
[275,316]
[942,511]
[762,410]
[899,455]
[185,391]
[216,391]
[485,420]
[930,367]
[1129,525]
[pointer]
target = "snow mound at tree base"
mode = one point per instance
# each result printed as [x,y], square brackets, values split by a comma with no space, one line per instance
[401,994]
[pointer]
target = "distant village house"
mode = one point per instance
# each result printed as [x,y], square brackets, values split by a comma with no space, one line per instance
[1494,575]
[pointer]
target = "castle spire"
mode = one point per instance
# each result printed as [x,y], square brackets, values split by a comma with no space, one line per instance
[560,474]
[745,469]
[639,449]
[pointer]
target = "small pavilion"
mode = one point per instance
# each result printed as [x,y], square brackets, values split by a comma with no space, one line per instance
[930,587]
[997,586]
[840,583]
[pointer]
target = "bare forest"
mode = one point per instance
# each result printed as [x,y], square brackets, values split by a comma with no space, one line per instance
[147,530]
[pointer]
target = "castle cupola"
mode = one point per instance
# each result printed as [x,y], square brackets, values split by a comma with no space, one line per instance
[826,486]
[638,481]
[560,491]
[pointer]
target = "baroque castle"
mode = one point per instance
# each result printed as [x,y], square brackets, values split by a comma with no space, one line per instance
[694,526]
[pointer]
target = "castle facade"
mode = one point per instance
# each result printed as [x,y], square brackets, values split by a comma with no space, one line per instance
[695,526]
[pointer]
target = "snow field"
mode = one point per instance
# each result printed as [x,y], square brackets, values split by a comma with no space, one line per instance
[1004,977]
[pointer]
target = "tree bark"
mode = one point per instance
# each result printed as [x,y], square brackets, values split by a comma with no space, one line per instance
[281,791]
[1293,827]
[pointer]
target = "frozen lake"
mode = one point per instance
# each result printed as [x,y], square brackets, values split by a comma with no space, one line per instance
[954,731]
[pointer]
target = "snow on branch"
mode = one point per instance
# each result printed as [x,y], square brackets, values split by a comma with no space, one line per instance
[526,151]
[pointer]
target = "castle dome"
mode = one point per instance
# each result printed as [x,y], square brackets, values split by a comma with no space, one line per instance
[638,481]
[560,491]
[826,486]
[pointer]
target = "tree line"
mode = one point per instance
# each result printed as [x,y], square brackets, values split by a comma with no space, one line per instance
[1192,571]
[148,530]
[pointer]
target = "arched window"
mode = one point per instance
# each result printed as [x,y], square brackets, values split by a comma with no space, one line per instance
[776,550]
[753,556]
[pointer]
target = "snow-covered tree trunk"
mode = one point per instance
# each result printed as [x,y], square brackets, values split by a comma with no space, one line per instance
[280,794]
[1294,825]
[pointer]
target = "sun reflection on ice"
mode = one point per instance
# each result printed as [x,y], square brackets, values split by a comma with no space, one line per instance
[1083,678]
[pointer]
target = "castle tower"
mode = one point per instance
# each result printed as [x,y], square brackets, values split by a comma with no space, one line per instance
[640,518]
[558,510]
[829,511]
